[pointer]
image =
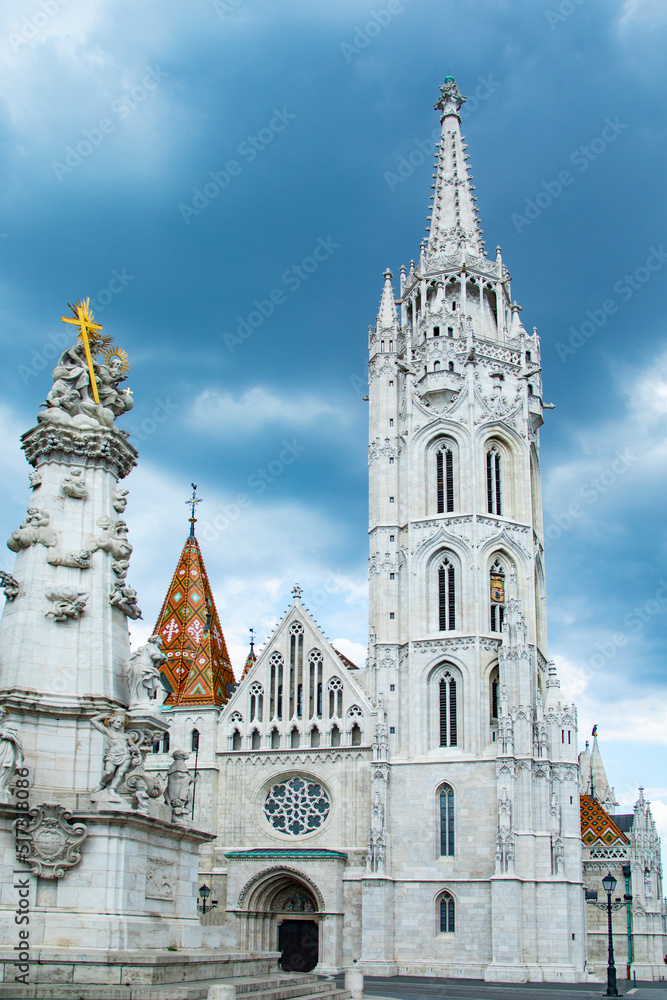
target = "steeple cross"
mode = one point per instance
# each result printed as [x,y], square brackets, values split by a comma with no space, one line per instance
[192,503]
[83,318]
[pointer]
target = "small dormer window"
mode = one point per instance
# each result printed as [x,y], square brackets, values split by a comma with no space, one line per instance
[436,331]
[382,346]
[527,357]
[450,331]
[436,366]
[391,345]
[453,306]
[451,366]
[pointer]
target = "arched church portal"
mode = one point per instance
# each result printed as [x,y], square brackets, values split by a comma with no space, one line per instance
[286,914]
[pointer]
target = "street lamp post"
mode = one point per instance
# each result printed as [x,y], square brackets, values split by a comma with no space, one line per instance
[205,907]
[609,884]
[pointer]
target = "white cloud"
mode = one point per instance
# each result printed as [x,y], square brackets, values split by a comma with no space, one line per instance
[642,13]
[224,413]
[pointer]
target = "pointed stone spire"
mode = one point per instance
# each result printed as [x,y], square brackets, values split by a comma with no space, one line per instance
[251,658]
[601,788]
[454,223]
[198,667]
[387,317]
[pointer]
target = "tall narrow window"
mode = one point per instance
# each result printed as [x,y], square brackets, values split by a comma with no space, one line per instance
[236,740]
[335,698]
[275,739]
[446,821]
[295,739]
[497,596]
[493,482]
[335,736]
[165,743]
[494,682]
[446,597]
[195,740]
[446,914]
[276,687]
[256,702]
[255,742]
[444,467]
[355,736]
[448,724]
[314,737]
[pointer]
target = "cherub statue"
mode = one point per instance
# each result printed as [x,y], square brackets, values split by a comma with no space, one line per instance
[122,751]
[73,485]
[119,499]
[125,599]
[113,538]
[11,754]
[32,530]
[180,783]
[68,602]
[142,673]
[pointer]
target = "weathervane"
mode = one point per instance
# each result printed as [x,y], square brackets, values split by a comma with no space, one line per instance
[252,641]
[192,503]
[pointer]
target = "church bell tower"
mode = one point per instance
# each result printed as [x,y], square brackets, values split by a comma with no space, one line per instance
[481,790]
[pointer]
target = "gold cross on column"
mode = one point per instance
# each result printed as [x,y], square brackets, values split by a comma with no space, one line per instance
[83,318]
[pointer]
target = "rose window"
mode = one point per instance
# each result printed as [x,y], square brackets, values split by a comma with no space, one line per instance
[296,806]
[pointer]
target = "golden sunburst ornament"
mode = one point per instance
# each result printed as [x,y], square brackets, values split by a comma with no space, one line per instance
[116,352]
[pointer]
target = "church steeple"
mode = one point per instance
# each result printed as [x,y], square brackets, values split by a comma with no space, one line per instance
[454,222]
[387,317]
[198,668]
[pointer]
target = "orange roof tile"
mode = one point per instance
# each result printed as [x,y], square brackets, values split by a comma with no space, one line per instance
[597,827]
[198,667]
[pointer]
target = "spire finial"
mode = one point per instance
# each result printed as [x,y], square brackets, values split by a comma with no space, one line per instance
[252,641]
[450,99]
[192,503]
[296,591]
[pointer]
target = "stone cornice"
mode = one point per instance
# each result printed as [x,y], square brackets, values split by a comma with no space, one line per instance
[92,446]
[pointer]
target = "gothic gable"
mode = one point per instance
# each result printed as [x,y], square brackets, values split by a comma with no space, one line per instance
[300,693]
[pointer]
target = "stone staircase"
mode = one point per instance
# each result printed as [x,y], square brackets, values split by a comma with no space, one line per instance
[271,986]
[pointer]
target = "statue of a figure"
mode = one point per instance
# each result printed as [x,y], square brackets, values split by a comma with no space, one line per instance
[125,599]
[10,586]
[68,603]
[73,485]
[113,538]
[35,478]
[11,754]
[122,751]
[71,400]
[142,672]
[180,783]
[33,529]
[120,568]
[77,560]
[119,499]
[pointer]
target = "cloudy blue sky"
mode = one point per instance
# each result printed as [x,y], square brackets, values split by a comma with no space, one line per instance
[115,120]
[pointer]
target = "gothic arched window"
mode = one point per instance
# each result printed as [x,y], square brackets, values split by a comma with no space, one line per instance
[236,740]
[335,698]
[275,739]
[497,596]
[448,711]
[447,913]
[494,689]
[446,596]
[276,686]
[493,482]
[314,737]
[444,472]
[255,740]
[296,671]
[256,702]
[194,740]
[335,736]
[446,821]
[355,736]
[165,743]
[315,664]
[295,739]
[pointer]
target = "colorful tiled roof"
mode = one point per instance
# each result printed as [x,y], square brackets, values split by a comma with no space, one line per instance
[250,662]
[198,667]
[597,827]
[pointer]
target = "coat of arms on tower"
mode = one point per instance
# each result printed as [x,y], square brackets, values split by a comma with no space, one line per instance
[54,840]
